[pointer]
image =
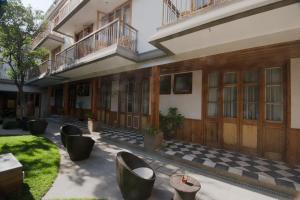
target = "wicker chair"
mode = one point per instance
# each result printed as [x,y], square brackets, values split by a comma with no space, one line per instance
[135,177]
[79,147]
[37,126]
[68,130]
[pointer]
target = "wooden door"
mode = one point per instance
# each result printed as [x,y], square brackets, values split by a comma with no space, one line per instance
[274,107]
[212,113]
[105,100]
[231,116]
[133,103]
[249,111]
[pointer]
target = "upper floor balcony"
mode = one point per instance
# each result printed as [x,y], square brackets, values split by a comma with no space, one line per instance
[113,45]
[39,72]
[48,38]
[76,14]
[199,28]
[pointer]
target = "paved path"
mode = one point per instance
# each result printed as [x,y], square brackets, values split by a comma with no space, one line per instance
[95,177]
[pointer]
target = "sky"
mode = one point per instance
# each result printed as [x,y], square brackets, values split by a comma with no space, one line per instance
[38,4]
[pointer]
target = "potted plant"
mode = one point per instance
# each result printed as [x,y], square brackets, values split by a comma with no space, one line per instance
[91,119]
[153,138]
[81,111]
[170,123]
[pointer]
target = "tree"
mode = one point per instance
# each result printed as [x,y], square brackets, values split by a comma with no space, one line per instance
[2,3]
[18,26]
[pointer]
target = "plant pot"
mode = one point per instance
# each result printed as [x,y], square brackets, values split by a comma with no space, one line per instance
[94,126]
[169,136]
[152,142]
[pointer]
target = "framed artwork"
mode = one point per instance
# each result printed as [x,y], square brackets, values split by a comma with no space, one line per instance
[165,84]
[183,83]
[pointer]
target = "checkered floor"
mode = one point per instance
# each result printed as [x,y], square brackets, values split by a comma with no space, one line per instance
[67,120]
[266,171]
[124,135]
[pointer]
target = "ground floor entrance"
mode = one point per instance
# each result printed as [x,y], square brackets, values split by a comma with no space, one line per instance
[245,101]
[245,109]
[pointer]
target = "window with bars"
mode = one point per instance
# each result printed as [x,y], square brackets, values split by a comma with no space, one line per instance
[213,88]
[230,95]
[274,94]
[250,88]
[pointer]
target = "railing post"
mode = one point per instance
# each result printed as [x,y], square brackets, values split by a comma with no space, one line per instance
[118,31]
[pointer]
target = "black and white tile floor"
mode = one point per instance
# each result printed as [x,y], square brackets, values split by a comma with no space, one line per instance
[263,170]
[124,135]
[266,171]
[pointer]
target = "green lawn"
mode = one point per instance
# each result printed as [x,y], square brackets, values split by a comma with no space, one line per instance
[40,160]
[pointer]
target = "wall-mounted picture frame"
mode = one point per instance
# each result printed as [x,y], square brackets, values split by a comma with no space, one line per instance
[83,89]
[183,83]
[165,84]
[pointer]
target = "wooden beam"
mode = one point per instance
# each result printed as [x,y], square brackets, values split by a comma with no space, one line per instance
[94,96]
[66,98]
[155,93]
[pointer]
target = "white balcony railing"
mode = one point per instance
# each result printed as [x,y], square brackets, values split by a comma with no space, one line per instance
[116,32]
[43,69]
[174,10]
[66,10]
[43,34]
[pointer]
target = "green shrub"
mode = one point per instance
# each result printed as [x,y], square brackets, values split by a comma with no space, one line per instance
[10,124]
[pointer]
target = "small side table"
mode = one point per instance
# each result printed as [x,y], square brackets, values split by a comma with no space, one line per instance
[11,175]
[184,190]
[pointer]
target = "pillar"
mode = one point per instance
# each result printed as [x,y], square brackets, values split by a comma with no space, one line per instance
[154,96]
[66,98]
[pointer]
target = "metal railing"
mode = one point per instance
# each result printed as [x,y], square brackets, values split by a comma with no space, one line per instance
[174,10]
[65,10]
[43,34]
[116,32]
[44,68]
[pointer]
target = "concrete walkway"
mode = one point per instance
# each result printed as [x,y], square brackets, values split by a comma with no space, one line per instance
[95,177]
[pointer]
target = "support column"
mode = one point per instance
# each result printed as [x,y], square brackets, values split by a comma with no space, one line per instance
[154,96]
[94,96]
[66,98]
[49,99]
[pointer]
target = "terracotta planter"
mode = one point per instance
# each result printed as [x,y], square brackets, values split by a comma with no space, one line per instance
[152,142]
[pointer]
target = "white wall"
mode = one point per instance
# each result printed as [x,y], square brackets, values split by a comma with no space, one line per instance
[146,18]
[189,105]
[114,96]
[295,93]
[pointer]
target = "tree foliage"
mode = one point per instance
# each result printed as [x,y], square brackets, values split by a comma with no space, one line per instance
[18,26]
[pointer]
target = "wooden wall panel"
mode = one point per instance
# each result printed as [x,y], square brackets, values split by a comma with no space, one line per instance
[273,143]
[122,119]
[211,130]
[249,136]
[113,118]
[230,134]
[145,122]
[293,147]
[191,131]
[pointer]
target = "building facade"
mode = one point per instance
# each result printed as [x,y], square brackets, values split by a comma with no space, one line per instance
[231,67]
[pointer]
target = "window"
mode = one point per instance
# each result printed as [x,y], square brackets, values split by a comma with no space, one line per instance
[130,92]
[83,89]
[183,83]
[250,89]
[165,84]
[145,96]
[213,84]
[274,94]
[230,95]
[106,95]
[136,97]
